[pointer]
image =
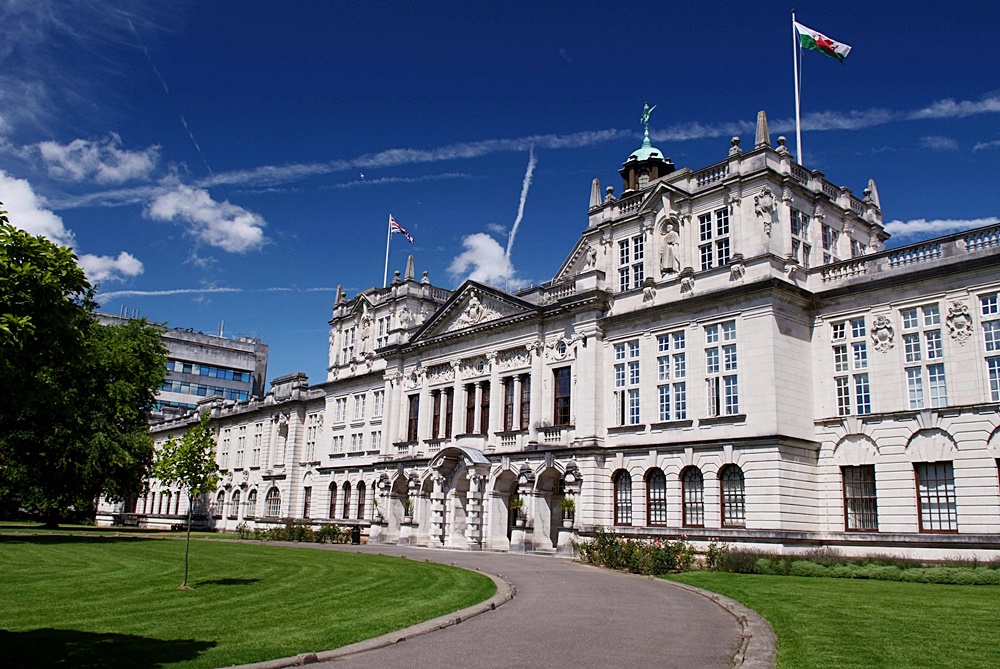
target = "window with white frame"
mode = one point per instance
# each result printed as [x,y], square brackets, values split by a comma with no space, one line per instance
[314,424]
[382,331]
[357,442]
[224,449]
[378,401]
[801,249]
[348,338]
[627,382]
[340,410]
[359,406]
[990,310]
[631,253]
[857,249]
[272,503]
[671,371]
[713,233]
[722,382]
[337,444]
[258,439]
[937,506]
[375,442]
[830,238]
[850,365]
[923,351]
[241,445]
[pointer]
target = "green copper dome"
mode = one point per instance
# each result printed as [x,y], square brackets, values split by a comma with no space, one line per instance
[646,151]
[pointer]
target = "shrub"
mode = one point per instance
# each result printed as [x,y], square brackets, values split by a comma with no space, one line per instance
[639,556]
[807,568]
[243,531]
[332,534]
[723,557]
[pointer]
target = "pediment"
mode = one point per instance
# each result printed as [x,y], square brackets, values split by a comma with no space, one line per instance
[471,306]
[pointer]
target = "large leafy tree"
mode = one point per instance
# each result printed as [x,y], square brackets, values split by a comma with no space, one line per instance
[75,396]
[189,463]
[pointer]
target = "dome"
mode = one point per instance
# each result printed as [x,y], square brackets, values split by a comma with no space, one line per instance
[646,151]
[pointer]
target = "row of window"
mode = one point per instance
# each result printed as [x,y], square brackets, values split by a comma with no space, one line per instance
[516,397]
[360,403]
[937,507]
[209,371]
[346,501]
[923,358]
[732,499]
[202,390]
[721,379]
[357,443]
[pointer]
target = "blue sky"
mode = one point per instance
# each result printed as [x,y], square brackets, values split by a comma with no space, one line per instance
[205,159]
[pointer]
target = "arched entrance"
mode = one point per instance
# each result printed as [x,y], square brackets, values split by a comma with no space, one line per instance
[547,512]
[459,476]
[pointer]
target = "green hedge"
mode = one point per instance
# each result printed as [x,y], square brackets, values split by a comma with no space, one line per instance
[638,556]
[292,531]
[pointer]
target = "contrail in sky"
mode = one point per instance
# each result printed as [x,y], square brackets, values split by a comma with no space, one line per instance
[524,196]
[166,90]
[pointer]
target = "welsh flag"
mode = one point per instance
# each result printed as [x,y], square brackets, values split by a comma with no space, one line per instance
[817,41]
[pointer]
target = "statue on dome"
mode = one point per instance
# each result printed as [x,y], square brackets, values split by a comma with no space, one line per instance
[646,111]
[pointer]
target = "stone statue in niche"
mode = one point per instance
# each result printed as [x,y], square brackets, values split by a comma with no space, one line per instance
[670,255]
[591,258]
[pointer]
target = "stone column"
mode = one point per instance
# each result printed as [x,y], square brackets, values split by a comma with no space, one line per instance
[476,420]
[496,399]
[474,511]
[437,511]
[516,420]
[538,384]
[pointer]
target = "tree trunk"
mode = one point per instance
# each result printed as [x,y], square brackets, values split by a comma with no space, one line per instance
[187,544]
[52,519]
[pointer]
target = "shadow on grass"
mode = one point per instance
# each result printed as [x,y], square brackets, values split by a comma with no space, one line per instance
[26,538]
[90,650]
[228,581]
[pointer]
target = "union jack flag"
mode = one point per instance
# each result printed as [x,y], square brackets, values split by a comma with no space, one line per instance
[396,227]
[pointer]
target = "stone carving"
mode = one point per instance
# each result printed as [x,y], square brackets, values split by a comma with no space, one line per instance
[591,257]
[476,312]
[405,317]
[670,256]
[959,322]
[735,150]
[440,373]
[648,292]
[525,476]
[687,280]
[737,267]
[474,367]
[513,358]
[791,264]
[764,206]
[882,334]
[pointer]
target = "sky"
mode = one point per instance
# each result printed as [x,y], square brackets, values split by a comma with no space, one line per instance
[226,165]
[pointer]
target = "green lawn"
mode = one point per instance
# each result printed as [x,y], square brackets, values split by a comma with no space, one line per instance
[834,623]
[92,601]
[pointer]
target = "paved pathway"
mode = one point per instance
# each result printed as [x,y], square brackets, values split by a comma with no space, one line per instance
[564,615]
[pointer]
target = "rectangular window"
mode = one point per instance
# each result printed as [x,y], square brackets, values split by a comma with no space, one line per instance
[378,403]
[224,449]
[340,410]
[382,332]
[722,386]
[830,237]
[241,445]
[705,252]
[435,413]
[860,501]
[631,254]
[376,441]
[923,342]
[936,501]
[337,444]
[449,411]
[413,417]
[484,409]
[562,384]
[915,387]
[525,401]
[705,227]
[672,366]
[470,408]
[857,249]
[508,403]
[314,423]
[258,435]
[993,368]
[936,385]
[357,442]
[627,381]
[359,407]
[851,356]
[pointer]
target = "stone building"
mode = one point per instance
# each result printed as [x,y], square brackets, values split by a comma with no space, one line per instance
[728,353]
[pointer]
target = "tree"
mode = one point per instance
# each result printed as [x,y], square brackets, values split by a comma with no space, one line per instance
[75,396]
[190,464]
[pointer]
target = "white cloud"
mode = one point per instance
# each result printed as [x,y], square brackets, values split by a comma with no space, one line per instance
[108,268]
[219,224]
[995,144]
[103,160]
[921,226]
[949,108]
[939,143]
[484,260]
[25,210]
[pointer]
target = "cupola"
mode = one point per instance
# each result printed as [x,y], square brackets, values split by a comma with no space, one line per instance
[647,163]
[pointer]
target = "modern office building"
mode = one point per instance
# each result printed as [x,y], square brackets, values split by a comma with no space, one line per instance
[203,365]
[726,353]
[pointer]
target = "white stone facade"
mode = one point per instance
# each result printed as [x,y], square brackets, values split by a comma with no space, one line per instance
[728,353]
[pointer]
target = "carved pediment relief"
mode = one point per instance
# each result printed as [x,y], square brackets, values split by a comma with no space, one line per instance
[474,307]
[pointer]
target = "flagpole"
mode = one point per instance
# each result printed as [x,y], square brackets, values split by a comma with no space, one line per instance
[795,66]
[388,236]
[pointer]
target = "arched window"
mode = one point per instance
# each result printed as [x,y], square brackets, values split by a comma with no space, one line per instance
[220,503]
[333,500]
[656,497]
[361,500]
[733,496]
[272,503]
[347,499]
[693,496]
[234,504]
[165,499]
[623,498]
[252,504]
